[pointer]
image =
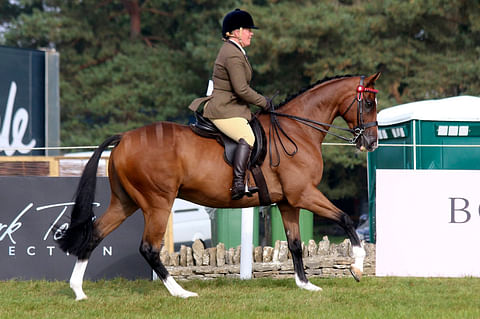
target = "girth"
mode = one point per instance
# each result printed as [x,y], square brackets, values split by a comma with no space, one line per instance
[205,128]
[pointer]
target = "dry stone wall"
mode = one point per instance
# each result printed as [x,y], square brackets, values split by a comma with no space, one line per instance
[324,259]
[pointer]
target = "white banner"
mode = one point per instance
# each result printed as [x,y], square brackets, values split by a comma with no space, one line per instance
[428,223]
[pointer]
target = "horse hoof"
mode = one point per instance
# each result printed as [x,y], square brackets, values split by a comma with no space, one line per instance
[311,287]
[306,285]
[79,294]
[356,273]
[81,297]
[187,294]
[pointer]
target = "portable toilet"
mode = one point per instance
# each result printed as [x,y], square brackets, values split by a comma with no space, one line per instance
[431,134]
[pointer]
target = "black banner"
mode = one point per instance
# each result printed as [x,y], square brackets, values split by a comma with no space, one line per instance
[22,101]
[31,205]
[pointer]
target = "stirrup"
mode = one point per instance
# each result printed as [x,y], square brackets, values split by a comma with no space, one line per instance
[250,190]
[237,196]
[247,191]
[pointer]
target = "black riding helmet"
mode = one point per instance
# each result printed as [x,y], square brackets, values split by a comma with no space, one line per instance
[237,19]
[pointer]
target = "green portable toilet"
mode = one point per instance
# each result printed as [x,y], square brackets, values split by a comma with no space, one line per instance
[278,231]
[432,134]
[227,227]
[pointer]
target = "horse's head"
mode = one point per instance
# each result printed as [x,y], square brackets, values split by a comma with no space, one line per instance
[361,113]
[353,98]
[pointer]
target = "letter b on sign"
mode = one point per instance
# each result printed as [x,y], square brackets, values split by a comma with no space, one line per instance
[455,203]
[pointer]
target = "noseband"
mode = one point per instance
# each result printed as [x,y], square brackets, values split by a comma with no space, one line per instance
[357,131]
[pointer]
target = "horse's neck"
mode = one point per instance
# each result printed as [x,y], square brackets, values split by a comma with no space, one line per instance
[319,103]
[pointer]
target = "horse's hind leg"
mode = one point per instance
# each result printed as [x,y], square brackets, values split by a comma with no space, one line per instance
[290,217]
[76,280]
[109,221]
[155,227]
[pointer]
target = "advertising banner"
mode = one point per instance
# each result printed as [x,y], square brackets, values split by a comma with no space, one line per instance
[30,208]
[29,101]
[22,100]
[428,223]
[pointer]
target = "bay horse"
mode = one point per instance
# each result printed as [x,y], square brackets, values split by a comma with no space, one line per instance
[150,166]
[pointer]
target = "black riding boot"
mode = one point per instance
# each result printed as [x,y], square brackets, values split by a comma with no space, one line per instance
[240,161]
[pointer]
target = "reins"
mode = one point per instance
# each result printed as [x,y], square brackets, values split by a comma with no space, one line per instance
[357,131]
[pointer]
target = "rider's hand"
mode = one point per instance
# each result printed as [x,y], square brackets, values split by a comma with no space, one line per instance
[269,106]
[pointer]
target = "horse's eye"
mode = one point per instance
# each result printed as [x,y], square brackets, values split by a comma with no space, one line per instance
[370,103]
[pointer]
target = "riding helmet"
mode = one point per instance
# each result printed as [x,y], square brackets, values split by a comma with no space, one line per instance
[237,19]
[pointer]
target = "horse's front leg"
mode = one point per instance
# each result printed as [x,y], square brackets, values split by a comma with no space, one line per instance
[290,217]
[314,201]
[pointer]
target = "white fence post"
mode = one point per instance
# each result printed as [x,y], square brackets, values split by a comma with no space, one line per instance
[246,259]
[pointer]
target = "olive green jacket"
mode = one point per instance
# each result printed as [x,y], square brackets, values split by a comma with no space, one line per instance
[232,93]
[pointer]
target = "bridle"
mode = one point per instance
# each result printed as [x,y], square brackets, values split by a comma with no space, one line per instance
[360,128]
[357,131]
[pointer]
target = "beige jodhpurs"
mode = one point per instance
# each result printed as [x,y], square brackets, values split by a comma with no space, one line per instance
[236,128]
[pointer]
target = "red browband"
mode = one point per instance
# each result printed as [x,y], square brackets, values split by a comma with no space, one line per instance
[361,89]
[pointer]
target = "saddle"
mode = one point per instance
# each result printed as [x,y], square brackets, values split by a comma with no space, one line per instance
[205,128]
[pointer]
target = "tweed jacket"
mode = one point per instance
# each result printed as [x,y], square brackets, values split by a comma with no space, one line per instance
[232,93]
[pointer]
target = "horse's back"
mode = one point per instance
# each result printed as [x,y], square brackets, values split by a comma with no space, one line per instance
[152,136]
[167,154]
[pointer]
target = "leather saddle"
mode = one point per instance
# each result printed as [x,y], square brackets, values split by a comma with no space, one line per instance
[205,128]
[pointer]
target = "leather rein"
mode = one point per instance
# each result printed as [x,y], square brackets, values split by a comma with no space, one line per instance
[357,131]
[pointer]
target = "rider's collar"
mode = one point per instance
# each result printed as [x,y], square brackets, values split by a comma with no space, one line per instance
[239,46]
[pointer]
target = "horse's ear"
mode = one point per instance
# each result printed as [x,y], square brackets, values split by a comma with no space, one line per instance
[371,79]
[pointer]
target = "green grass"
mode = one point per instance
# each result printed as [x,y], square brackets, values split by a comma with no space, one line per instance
[259,298]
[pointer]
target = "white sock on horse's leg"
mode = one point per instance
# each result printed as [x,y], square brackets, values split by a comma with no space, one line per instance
[359,255]
[357,267]
[306,285]
[176,290]
[76,280]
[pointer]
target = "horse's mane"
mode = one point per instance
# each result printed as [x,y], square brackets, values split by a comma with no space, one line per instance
[303,90]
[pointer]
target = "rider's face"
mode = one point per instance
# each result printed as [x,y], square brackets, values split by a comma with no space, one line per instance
[244,36]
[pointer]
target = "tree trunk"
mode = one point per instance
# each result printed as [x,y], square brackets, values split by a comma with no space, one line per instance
[133,10]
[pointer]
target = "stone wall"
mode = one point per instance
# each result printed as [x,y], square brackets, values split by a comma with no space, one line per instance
[324,259]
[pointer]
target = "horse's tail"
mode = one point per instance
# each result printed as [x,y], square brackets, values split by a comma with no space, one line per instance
[76,239]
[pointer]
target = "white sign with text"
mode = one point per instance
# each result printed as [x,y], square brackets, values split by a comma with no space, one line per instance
[427,223]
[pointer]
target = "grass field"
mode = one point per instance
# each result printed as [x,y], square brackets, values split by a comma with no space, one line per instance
[259,298]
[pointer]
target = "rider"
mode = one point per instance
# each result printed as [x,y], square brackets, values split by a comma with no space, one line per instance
[228,105]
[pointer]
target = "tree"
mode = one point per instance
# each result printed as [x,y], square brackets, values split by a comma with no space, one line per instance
[425,49]
[131,62]
[113,77]
[10,10]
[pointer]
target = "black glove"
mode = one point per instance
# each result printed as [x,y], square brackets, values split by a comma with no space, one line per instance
[269,106]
